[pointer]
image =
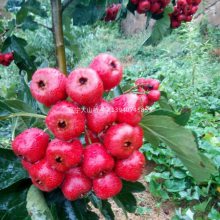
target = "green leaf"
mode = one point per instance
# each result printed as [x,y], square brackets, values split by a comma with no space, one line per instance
[163,102]
[182,142]
[103,205]
[10,168]
[13,204]
[126,201]
[89,14]
[37,206]
[160,29]
[22,59]
[132,187]
[182,118]
[117,91]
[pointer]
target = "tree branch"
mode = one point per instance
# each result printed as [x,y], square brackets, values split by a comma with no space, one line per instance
[65,4]
[58,34]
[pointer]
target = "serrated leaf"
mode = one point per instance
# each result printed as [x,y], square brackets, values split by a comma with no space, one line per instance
[10,168]
[182,142]
[36,205]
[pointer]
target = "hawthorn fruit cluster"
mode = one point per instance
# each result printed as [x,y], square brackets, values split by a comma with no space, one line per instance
[153,6]
[6,59]
[111,12]
[111,130]
[183,12]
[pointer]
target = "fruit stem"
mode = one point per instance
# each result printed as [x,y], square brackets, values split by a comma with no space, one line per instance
[132,88]
[56,9]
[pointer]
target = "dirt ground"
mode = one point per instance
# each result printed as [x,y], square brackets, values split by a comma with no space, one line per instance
[145,199]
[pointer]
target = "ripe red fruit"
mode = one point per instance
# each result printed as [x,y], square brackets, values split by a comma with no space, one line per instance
[107,186]
[111,12]
[143,6]
[128,108]
[91,137]
[31,144]
[66,120]
[122,140]
[26,165]
[75,184]
[155,7]
[84,86]
[44,177]
[188,18]
[96,161]
[147,84]
[175,23]
[134,2]
[100,116]
[6,59]
[154,95]
[48,86]
[64,155]
[130,169]
[109,69]
[138,136]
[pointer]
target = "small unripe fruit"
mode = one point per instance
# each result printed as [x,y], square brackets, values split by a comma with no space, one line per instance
[44,177]
[48,86]
[63,155]
[107,186]
[130,169]
[96,161]
[31,144]
[128,108]
[109,69]
[84,86]
[101,116]
[66,120]
[75,184]
[122,140]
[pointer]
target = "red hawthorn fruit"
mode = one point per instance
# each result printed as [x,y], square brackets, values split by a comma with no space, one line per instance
[188,18]
[130,169]
[194,9]
[100,116]
[31,144]
[122,140]
[75,184]
[48,86]
[128,108]
[134,2]
[144,100]
[84,86]
[107,186]
[181,17]
[62,156]
[147,84]
[91,137]
[143,6]
[44,177]
[111,12]
[66,120]
[155,7]
[96,161]
[109,69]
[175,23]
[154,95]
[6,59]
[26,165]
[138,136]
